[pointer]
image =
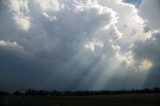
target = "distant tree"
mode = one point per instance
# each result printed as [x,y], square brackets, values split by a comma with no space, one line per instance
[4,93]
[17,93]
[81,93]
[156,89]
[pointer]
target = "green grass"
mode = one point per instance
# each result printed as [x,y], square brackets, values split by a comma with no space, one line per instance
[108,100]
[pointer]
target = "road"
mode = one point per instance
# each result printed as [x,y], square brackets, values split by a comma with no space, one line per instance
[23,101]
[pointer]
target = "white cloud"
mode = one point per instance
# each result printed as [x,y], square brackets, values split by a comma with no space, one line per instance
[20,11]
[12,46]
[145,65]
[126,58]
[130,24]
[22,22]
[8,43]
[49,8]
[74,24]
[93,45]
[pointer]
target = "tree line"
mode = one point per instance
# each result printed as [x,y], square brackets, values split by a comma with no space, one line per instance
[80,93]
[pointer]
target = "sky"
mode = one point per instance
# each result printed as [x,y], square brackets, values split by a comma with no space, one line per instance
[135,2]
[79,44]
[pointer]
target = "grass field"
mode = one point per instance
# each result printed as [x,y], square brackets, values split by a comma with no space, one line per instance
[2,100]
[107,100]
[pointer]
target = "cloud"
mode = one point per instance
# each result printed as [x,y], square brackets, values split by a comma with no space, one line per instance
[49,8]
[83,44]
[151,14]
[146,53]
[145,65]
[20,11]
[8,43]
[92,45]
[12,46]
[148,49]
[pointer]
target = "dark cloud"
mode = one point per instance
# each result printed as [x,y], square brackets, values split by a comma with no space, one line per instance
[21,72]
[149,49]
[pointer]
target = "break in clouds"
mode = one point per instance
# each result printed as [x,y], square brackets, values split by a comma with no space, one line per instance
[79,44]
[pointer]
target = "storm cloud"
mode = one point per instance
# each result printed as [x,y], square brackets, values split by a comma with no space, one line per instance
[78,44]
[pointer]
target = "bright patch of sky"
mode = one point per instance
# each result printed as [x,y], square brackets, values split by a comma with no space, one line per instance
[135,2]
